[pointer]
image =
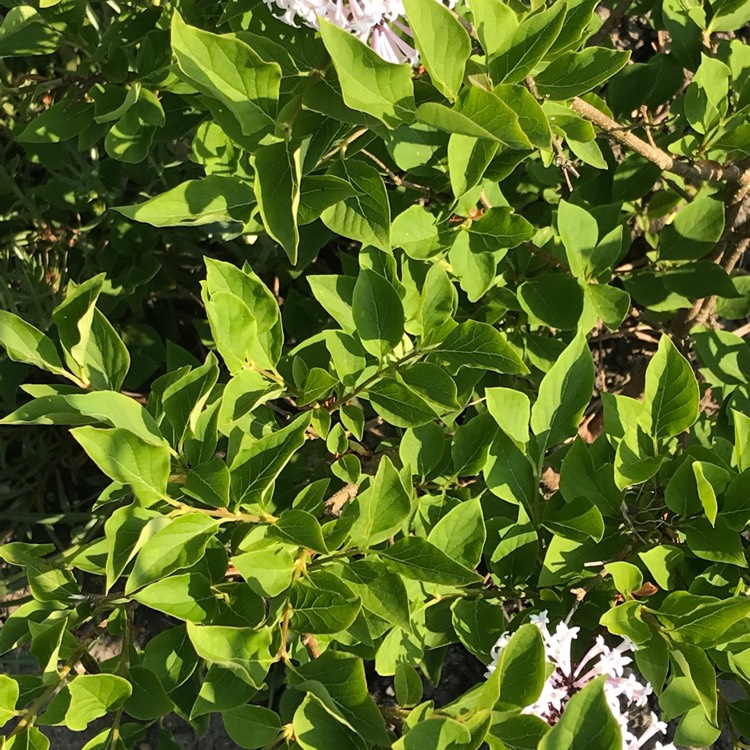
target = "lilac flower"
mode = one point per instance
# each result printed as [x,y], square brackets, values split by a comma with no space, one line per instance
[621,692]
[379,23]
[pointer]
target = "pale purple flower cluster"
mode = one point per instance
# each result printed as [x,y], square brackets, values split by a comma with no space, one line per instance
[622,693]
[375,22]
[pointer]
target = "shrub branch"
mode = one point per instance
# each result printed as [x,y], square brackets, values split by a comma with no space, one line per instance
[694,173]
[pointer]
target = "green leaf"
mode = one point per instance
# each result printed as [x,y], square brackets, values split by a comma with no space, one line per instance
[221,690]
[208,483]
[398,404]
[626,619]
[59,122]
[49,582]
[277,188]
[319,192]
[564,393]
[729,15]
[422,448]
[93,350]
[694,231]
[243,315]
[366,215]
[244,651]
[499,228]
[24,343]
[187,597]
[438,305]
[268,571]
[24,32]
[471,444]
[368,83]
[125,531]
[636,460]
[215,199]
[517,732]
[520,673]
[577,519]
[477,272]
[479,345]
[316,727]
[30,738]
[9,692]
[741,452]
[255,468]
[478,624]
[531,116]
[508,472]
[378,313]
[382,592]
[553,299]
[437,733]
[696,666]
[107,407]
[379,511]
[611,304]
[579,233]
[228,70]
[696,279]
[580,476]
[511,410]
[323,603]
[301,528]
[586,724]
[180,544]
[671,394]
[578,16]
[461,534]
[126,458]
[468,159]
[480,114]
[626,576]
[353,418]
[707,624]
[347,356]
[94,695]
[171,657]
[575,73]
[149,700]
[416,558]
[432,384]
[129,139]
[252,727]
[436,29]
[520,54]
[706,95]
[494,22]
[715,543]
[415,230]
[335,293]
[408,685]
[338,680]
[182,401]
[664,563]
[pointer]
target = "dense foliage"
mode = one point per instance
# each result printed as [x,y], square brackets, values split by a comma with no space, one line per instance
[376,359]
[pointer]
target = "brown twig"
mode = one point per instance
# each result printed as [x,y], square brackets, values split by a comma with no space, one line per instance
[709,304]
[339,499]
[704,171]
[399,181]
[610,23]
[727,253]
[310,642]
